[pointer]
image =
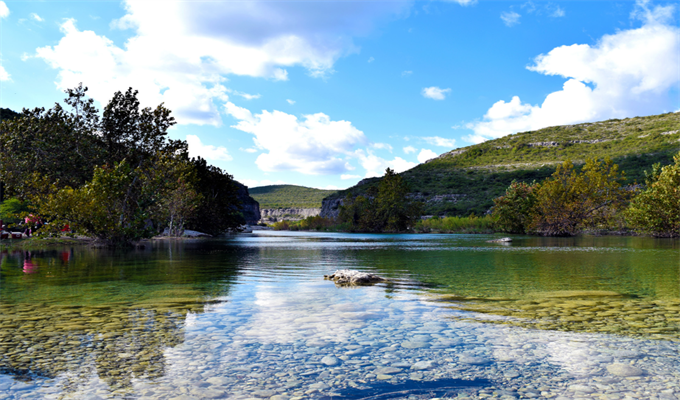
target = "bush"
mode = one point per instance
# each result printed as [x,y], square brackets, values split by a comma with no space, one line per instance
[656,210]
[513,212]
[471,224]
[571,201]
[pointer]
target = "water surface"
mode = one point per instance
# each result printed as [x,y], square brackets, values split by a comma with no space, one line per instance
[251,316]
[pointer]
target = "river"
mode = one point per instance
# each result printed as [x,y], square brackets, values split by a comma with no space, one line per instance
[251,316]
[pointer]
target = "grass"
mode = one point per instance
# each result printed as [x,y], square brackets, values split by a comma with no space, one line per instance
[289,196]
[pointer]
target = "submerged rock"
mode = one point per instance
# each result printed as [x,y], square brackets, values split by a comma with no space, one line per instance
[353,277]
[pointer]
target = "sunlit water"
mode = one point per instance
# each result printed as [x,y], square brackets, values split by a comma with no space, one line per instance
[252,317]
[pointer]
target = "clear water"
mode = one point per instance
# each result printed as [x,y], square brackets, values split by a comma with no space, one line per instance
[252,317]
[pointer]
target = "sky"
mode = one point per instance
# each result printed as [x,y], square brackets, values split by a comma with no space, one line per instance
[325,93]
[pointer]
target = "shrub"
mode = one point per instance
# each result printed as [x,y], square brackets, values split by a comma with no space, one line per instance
[513,212]
[656,210]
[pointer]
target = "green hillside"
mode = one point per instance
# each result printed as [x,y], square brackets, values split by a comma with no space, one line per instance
[468,179]
[289,196]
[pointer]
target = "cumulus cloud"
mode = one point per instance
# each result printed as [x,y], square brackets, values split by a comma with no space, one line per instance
[291,102]
[628,73]
[207,151]
[381,146]
[313,145]
[36,17]
[181,53]
[375,166]
[426,154]
[440,141]
[510,18]
[248,150]
[435,93]
[409,149]
[348,176]
[4,75]
[244,95]
[4,11]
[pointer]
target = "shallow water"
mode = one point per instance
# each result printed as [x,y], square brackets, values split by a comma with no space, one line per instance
[252,317]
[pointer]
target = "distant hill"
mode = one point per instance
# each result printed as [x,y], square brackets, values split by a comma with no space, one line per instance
[467,180]
[6,113]
[289,196]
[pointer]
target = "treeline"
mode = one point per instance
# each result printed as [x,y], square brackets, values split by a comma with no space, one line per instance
[594,198]
[114,176]
[571,201]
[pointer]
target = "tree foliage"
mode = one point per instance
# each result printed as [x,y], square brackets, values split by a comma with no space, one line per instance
[656,210]
[386,208]
[571,201]
[513,211]
[118,178]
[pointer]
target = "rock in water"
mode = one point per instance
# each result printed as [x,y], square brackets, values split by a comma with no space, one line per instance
[352,277]
[624,370]
[501,240]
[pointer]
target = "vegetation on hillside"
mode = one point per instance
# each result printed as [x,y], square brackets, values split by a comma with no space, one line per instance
[465,181]
[114,177]
[289,196]
[385,208]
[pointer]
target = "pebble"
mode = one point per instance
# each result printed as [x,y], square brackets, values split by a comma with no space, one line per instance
[624,370]
[330,360]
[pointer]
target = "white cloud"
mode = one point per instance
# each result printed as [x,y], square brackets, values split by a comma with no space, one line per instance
[462,2]
[375,166]
[331,187]
[248,150]
[510,18]
[180,53]
[4,75]
[435,93]
[291,102]
[4,11]
[370,60]
[209,152]
[440,141]
[314,145]
[557,12]
[244,95]
[628,73]
[381,146]
[348,176]
[426,154]
[409,149]
[406,73]
[36,17]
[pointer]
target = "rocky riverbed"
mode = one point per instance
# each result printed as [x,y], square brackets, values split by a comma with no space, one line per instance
[288,343]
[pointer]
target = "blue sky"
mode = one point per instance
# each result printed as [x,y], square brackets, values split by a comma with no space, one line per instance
[325,93]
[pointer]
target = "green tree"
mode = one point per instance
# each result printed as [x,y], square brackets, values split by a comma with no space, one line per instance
[60,145]
[571,201]
[386,208]
[513,211]
[396,212]
[656,210]
[220,209]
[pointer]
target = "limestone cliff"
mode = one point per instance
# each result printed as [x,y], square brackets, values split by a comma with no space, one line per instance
[269,215]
